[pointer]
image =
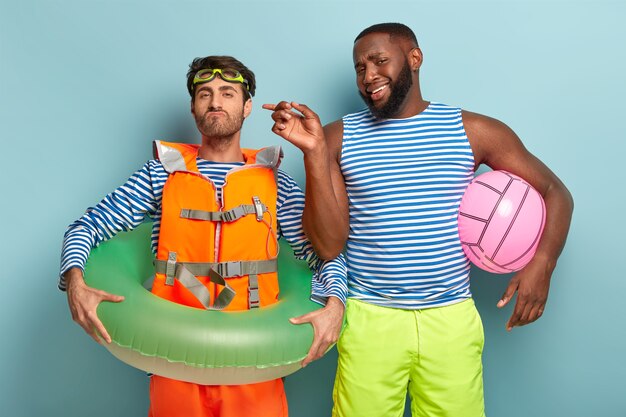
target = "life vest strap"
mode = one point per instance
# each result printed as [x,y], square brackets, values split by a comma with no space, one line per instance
[187,272]
[191,282]
[253,291]
[225,269]
[180,271]
[241,268]
[225,216]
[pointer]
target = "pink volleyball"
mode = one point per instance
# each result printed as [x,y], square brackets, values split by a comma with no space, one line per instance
[501,218]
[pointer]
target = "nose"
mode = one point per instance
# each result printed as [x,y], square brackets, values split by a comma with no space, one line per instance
[369,74]
[215,102]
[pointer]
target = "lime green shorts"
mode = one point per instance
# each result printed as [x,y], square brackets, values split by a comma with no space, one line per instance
[435,354]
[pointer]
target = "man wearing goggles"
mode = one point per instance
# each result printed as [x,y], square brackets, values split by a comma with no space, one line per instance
[221,90]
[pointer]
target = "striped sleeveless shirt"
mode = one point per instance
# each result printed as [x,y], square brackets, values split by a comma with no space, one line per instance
[405,179]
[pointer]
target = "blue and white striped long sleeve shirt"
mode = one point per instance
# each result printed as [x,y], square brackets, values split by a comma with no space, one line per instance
[140,197]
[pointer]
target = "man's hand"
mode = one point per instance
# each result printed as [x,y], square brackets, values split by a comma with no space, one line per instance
[303,130]
[84,300]
[326,323]
[532,285]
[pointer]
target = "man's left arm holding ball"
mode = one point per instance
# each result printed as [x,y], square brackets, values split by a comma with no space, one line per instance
[493,143]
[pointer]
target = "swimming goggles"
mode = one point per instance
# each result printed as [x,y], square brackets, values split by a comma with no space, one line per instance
[227,74]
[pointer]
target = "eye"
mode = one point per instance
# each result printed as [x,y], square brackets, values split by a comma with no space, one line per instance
[381,61]
[228,95]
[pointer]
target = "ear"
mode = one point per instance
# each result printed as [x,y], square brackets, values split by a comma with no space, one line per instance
[193,110]
[247,108]
[415,58]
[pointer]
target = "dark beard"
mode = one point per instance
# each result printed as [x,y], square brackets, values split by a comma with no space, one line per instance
[399,90]
[220,130]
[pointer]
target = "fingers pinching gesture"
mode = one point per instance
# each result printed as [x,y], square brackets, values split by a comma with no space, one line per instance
[302,129]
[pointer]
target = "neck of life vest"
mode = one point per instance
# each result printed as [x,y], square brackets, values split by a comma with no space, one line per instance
[218,253]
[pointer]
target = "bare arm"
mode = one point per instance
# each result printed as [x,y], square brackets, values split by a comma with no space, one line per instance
[497,146]
[325,216]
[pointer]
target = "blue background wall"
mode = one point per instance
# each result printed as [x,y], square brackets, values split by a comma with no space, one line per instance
[86,85]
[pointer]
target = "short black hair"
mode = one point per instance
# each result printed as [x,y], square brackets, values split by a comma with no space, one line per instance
[394,30]
[220,61]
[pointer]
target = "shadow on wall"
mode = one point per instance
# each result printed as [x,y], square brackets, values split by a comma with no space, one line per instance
[318,378]
[87,379]
[344,97]
[175,123]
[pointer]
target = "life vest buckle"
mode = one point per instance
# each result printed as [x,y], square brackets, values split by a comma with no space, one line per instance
[253,292]
[229,216]
[229,269]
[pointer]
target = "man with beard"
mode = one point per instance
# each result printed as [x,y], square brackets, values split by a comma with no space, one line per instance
[389,180]
[201,218]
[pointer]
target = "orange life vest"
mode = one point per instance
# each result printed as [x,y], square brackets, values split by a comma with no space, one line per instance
[218,253]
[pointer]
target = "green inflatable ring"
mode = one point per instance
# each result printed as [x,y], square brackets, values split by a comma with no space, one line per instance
[189,344]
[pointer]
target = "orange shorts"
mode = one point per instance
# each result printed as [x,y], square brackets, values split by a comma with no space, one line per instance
[172,398]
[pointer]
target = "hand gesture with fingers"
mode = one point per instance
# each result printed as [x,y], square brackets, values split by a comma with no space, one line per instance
[326,323]
[83,301]
[532,285]
[303,129]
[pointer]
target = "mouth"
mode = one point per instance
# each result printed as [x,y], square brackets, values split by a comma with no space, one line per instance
[378,93]
[215,113]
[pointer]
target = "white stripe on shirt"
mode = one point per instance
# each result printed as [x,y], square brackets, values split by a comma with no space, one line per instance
[405,179]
